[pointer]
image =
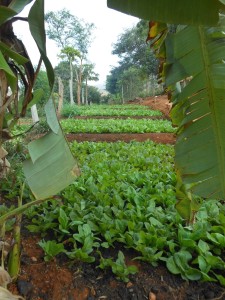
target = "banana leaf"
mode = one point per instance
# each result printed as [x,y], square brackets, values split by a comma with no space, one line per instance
[8,72]
[205,12]
[52,166]
[197,55]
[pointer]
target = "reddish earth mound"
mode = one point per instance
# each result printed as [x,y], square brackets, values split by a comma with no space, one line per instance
[158,102]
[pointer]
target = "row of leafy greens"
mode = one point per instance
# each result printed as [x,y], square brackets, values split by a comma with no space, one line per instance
[127,194]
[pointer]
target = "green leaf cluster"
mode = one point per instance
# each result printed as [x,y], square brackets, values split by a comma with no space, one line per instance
[116,126]
[102,110]
[51,249]
[119,267]
[127,194]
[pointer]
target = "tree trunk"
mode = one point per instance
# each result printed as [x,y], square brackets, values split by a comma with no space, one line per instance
[82,95]
[79,81]
[86,92]
[34,113]
[122,95]
[78,93]
[61,91]
[71,83]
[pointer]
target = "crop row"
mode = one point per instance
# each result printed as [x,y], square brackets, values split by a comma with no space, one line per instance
[126,194]
[116,126]
[108,110]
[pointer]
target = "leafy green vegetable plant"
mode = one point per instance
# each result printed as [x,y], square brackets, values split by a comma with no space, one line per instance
[51,249]
[118,267]
[116,126]
[108,110]
[127,193]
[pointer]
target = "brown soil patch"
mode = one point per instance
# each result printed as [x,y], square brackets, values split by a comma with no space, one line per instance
[63,280]
[158,102]
[164,138]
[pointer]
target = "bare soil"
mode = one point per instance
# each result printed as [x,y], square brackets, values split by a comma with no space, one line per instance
[61,279]
[164,138]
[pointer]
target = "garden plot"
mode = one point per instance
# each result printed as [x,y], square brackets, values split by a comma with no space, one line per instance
[109,110]
[118,221]
[123,123]
[122,207]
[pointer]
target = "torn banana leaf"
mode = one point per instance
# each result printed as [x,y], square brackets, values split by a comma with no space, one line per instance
[52,166]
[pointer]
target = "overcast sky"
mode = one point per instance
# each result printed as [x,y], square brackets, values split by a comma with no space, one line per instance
[109,24]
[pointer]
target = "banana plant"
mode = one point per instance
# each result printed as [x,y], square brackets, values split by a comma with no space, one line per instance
[51,166]
[195,55]
[201,12]
[16,66]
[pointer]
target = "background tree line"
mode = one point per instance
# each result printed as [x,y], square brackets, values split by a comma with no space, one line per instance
[136,74]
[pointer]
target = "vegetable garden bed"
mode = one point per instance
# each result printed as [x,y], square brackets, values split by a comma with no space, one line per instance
[120,208]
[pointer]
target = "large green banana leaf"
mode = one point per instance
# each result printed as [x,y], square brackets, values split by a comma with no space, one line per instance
[172,11]
[198,53]
[52,166]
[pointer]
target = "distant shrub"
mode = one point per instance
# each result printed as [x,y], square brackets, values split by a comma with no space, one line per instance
[69,111]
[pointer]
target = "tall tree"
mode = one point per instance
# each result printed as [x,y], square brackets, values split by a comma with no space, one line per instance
[132,50]
[71,56]
[89,75]
[135,57]
[61,70]
[69,33]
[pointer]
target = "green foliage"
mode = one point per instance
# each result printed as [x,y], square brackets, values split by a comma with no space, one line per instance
[133,51]
[198,107]
[119,267]
[108,126]
[113,126]
[69,110]
[51,166]
[42,83]
[173,12]
[137,63]
[51,249]
[94,96]
[127,194]
[68,30]
[17,69]
[108,110]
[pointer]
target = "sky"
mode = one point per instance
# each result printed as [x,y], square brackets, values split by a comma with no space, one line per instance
[109,25]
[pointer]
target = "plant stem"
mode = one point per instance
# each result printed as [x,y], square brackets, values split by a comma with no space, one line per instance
[14,256]
[19,210]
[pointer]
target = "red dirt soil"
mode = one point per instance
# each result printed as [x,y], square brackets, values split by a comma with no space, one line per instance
[164,138]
